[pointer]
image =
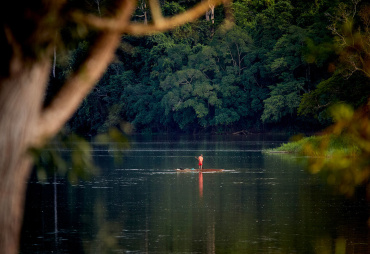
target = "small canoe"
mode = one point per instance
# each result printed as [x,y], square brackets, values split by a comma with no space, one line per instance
[198,170]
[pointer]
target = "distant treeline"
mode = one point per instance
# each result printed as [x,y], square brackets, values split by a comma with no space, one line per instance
[276,69]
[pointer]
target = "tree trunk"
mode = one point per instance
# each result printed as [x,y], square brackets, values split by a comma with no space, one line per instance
[213,14]
[21,98]
[210,14]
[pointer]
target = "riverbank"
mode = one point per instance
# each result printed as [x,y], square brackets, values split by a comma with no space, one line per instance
[324,145]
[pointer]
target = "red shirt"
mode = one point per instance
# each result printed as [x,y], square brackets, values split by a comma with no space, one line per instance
[200,159]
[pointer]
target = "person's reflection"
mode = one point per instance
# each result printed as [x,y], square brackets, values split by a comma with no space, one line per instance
[200,184]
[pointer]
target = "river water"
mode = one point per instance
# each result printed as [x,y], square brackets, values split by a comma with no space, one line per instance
[261,203]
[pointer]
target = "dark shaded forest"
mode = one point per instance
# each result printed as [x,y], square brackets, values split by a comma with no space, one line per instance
[277,69]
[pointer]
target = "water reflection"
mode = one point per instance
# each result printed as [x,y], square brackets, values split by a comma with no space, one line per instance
[200,184]
[260,204]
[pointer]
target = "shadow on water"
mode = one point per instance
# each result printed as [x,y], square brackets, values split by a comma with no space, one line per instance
[259,204]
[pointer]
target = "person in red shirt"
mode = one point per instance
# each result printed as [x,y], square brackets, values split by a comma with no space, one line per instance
[200,160]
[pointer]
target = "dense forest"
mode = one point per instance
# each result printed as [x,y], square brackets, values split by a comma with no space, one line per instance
[276,69]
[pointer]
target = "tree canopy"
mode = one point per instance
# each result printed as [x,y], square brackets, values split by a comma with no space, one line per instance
[264,73]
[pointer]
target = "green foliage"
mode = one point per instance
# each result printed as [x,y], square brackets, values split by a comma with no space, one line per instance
[313,145]
[348,168]
[53,158]
[244,14]
[285,96]
[350,27]
[334,90]
[342,155]
[284,100]
[172,8]
[273,63]
[318,53]
[71,155]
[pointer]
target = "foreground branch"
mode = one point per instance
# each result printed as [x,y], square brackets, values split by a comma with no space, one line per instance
[165,24]
[83,80]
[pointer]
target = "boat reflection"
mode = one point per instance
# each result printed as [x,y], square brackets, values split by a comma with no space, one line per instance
[200,184]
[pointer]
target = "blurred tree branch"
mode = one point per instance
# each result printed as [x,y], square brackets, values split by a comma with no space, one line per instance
[353,39]
[83,79]
[159,24]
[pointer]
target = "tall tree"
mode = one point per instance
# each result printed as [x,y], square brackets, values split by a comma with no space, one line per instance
[27,39]
[285,60]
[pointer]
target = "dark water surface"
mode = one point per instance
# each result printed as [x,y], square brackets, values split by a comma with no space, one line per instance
[261,203]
